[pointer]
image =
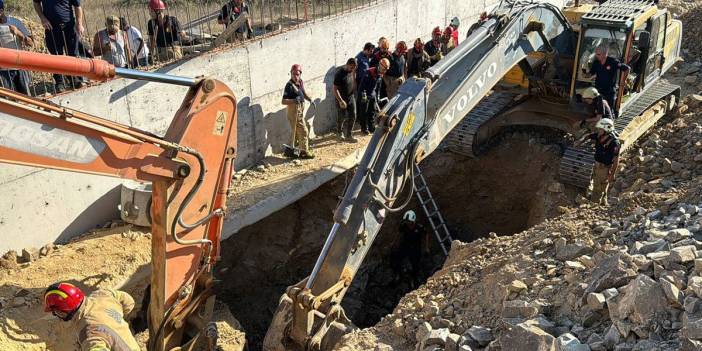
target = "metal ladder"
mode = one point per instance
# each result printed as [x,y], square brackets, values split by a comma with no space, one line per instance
[431,210]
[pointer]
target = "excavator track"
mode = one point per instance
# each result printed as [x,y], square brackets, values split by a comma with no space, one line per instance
[577,162]
[461,140]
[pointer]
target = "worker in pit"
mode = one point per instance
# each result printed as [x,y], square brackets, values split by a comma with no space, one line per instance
[605,69]
[294,96]
[413,243]
[607,147]
[434,47]
[98,319]
[601,108]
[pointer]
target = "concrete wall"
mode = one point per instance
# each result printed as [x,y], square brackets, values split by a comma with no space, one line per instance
[40,206]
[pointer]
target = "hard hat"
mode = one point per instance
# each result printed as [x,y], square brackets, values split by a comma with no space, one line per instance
[409,216]
[64,298]
[590,93]
[157,5]
[384,64]
[455,22]
[436,31]
[384,43]
[448,31]
[605,124]
[401,47]
[296,67]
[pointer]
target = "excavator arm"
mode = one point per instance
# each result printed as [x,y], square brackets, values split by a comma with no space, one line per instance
[411,126]
[189,167]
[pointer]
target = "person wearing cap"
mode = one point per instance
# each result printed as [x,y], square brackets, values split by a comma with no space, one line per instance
[395,75]
[434,48]
[14,35]
[372,90]
[417,60]
[111,43]
[455,23]
[63,27]
[600,107]
[230,12]
[164,33]
[607,147]
[139,51]
[447,43]
[343,89]
[294,96]
[97,319]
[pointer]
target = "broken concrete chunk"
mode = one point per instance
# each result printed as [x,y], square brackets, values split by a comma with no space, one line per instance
[571,251]
[596,301]
[677,234]
[692,326]
[452,342]
[481,335]
[646,247]
[516,286]
[527,337]
[672,293]
[568,342]
[612,272]
[642,299]
[436,337]
[519,309]
[422,331]
[695,284]
[683,254]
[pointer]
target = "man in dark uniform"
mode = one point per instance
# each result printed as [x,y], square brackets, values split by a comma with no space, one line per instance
[413,235]
[606,69]
[370,90]
[230,12]
[434,47]
[607,147]
[600,107]
[343,90]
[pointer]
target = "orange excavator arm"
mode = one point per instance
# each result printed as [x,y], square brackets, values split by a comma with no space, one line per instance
[189,167]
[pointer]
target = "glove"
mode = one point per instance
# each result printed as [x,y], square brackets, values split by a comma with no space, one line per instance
[343,105]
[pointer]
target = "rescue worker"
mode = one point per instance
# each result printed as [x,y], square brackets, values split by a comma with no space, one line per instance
[164,32]
[414,239]
[600,107]
[395,75]
[455,22]
[434,47]
[606,71]
[98,319]
[447,41]
[343,90]
[381,52]
[417,60]
[294,96]
[363,61]
[607,146]
[230,12]
[371,90]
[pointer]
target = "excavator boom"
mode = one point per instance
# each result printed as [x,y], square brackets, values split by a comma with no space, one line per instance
[410,127]
[189,167]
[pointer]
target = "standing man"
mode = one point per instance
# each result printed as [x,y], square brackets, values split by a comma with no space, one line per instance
[381,52]
[230,12]
[137,47]
[455,22]
[111,43]
[370,89]
[395,75]
[294,97]
[98,320]
[434,47]
[363,60]
[417,60]
[343,90]
[14,35]
[164,33]
[63,27]
[606,71]
[447,41]
[607,146]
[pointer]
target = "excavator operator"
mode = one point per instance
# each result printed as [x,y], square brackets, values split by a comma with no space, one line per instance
[98,318]
[605,69]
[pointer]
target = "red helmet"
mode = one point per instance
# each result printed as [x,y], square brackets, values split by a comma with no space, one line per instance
[296,67]
[436,31]
[401,47]
[157,5]
[64,298]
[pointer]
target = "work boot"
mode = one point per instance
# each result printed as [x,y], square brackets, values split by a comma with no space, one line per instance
[350,139]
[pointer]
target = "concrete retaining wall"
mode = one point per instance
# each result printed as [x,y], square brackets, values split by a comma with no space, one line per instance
[40,206]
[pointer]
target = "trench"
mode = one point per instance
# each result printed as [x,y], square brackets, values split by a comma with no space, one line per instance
[508,189]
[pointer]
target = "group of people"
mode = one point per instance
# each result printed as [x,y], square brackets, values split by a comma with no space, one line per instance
[118,42]
[366,82]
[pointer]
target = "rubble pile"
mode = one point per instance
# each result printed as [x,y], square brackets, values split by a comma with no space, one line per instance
[626,277]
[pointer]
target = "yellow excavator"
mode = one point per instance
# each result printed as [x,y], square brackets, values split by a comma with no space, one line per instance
[537,53]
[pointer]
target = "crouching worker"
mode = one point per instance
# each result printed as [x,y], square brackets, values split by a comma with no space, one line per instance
[294,97]
[607,146]
[600,106]
[98,319]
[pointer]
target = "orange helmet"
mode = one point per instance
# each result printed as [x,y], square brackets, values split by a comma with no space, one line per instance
[157,5]
[63,300]
[401,47]
[384,64]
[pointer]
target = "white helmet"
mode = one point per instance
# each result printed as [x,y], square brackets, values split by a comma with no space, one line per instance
[409,216]
[605,124]
[590,93]
[455,22]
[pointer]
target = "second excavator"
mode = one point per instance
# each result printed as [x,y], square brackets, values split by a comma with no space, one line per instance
[537,51]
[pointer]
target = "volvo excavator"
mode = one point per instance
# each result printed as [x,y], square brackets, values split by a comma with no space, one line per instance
[523,66]
[189,167]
